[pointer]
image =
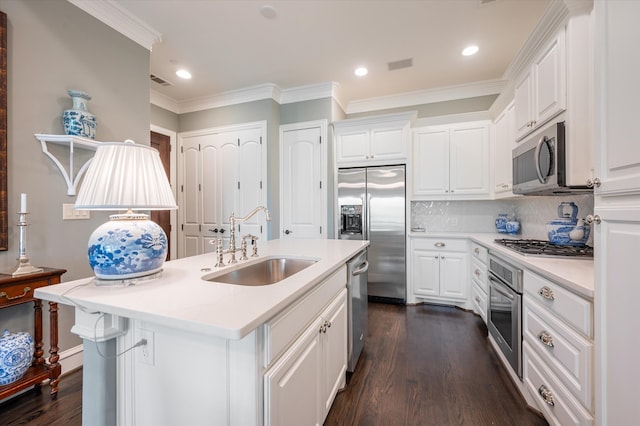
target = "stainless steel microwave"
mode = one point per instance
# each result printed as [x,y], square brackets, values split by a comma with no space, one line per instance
[540,165]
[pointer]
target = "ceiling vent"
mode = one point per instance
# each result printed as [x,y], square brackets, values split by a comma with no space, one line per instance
[161,81]
[404,63]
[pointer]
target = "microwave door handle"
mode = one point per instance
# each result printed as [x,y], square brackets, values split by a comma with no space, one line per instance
[537,158]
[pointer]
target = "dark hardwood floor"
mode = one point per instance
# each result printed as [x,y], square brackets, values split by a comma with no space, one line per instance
[428,365]
[423,365]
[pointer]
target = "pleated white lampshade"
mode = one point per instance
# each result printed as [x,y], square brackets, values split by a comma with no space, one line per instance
[126,176]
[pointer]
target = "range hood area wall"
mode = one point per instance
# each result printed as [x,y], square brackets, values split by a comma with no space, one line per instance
[479,216]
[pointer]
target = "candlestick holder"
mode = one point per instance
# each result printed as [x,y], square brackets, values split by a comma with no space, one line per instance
[24,267]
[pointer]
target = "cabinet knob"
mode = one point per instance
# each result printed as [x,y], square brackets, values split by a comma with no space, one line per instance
[546,293]
[439,244]
[477,273]
[546,338]
[594,183]
[593,219]
[476,250]
[546,395]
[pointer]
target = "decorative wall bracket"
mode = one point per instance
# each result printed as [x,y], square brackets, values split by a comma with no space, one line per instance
[74,142]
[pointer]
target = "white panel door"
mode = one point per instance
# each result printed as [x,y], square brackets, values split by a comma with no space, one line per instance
[190,202]
[227,176]
[209,192]
[431,161]
[523,93]
[303,180]
[250,182]
[388,143]
[334,351]
[352,146]
[549,71]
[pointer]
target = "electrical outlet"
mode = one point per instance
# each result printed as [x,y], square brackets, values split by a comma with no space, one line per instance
[146,352]
[69,213]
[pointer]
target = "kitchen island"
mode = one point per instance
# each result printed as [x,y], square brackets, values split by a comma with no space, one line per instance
[215,353]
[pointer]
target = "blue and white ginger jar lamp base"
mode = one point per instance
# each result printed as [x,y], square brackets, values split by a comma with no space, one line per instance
[128,246]
[78,121]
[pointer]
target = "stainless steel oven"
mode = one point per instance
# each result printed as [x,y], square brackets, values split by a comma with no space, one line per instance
[504,310]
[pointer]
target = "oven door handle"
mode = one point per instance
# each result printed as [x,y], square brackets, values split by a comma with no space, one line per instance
[500,288]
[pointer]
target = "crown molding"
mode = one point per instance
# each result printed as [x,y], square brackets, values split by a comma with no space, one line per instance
[121,20]
[554,17]
[232,97]
[309,92]
[442,94]
[164,101]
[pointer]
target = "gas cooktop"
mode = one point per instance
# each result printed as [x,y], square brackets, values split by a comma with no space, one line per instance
[544,248]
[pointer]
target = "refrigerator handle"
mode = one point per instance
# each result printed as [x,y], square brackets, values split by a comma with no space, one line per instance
[367,203]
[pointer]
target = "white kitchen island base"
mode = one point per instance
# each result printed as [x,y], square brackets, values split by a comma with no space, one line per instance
[216,354]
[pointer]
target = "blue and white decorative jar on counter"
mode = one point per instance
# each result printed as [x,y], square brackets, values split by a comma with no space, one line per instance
[512,226]
[78,121]
[501,223]
[16,355]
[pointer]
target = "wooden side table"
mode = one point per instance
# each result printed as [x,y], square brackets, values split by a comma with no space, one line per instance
[18,290]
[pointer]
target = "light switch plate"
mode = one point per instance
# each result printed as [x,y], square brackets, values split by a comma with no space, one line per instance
[68,213]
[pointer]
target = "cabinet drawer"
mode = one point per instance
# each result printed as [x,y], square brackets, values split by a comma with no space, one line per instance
[565,410]
[566,353]
[575,310]
[282,330]
[479,274]
[479,301]
[440,244]
[479,252]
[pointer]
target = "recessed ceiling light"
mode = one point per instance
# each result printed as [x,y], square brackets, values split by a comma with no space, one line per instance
[183,74]
[470,50]
[361,71]
[268,11]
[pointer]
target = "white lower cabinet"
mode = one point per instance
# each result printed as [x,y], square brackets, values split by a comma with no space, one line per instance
[439,270]
[302,384]
[558,351]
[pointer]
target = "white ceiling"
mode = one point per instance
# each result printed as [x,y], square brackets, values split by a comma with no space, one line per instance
[228,45]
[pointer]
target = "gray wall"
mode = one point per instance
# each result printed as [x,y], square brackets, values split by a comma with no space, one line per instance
[53,47]
[164,118]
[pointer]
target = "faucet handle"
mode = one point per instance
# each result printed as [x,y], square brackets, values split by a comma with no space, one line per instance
[254,243]
[219,252]
[243,246]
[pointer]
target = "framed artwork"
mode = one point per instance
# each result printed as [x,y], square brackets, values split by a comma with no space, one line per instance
[3,133]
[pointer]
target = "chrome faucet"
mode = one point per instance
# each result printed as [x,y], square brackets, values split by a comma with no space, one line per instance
[232,238]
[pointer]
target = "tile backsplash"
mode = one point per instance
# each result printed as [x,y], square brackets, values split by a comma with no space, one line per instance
[479,216]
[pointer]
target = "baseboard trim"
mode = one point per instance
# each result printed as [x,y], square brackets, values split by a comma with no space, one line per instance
[71,359]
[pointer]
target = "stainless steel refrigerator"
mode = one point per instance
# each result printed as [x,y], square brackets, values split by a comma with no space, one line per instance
[371,203]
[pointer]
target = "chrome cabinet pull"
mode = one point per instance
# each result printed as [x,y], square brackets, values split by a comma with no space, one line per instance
[546,338]
[547,293]
[439,244]
[546,395]
[476,250]
[25,291]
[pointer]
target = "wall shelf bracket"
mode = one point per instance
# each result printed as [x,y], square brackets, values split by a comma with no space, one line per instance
[73,142]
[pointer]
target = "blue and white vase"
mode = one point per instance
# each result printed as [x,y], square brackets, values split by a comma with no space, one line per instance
[501,223]
[513,226]
[78,121]
[16,355]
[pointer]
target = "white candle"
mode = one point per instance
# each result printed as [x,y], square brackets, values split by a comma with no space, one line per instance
[23,203]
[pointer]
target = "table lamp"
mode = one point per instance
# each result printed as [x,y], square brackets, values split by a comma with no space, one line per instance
[126,176]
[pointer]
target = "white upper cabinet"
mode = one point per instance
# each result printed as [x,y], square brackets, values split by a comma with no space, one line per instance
[540,91]
[504,142]
[373,141]
[452,161]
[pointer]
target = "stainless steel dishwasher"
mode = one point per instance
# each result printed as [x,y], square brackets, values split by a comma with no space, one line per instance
[357,269]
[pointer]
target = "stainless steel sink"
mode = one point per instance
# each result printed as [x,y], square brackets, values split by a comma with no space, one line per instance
[268,271]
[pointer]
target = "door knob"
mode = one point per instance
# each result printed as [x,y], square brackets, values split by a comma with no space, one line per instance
[222,230]
[594,183]
[214,230]
[593,219]
[287,232]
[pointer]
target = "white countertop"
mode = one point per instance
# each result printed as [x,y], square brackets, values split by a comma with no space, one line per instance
[181,299]
[575,274]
